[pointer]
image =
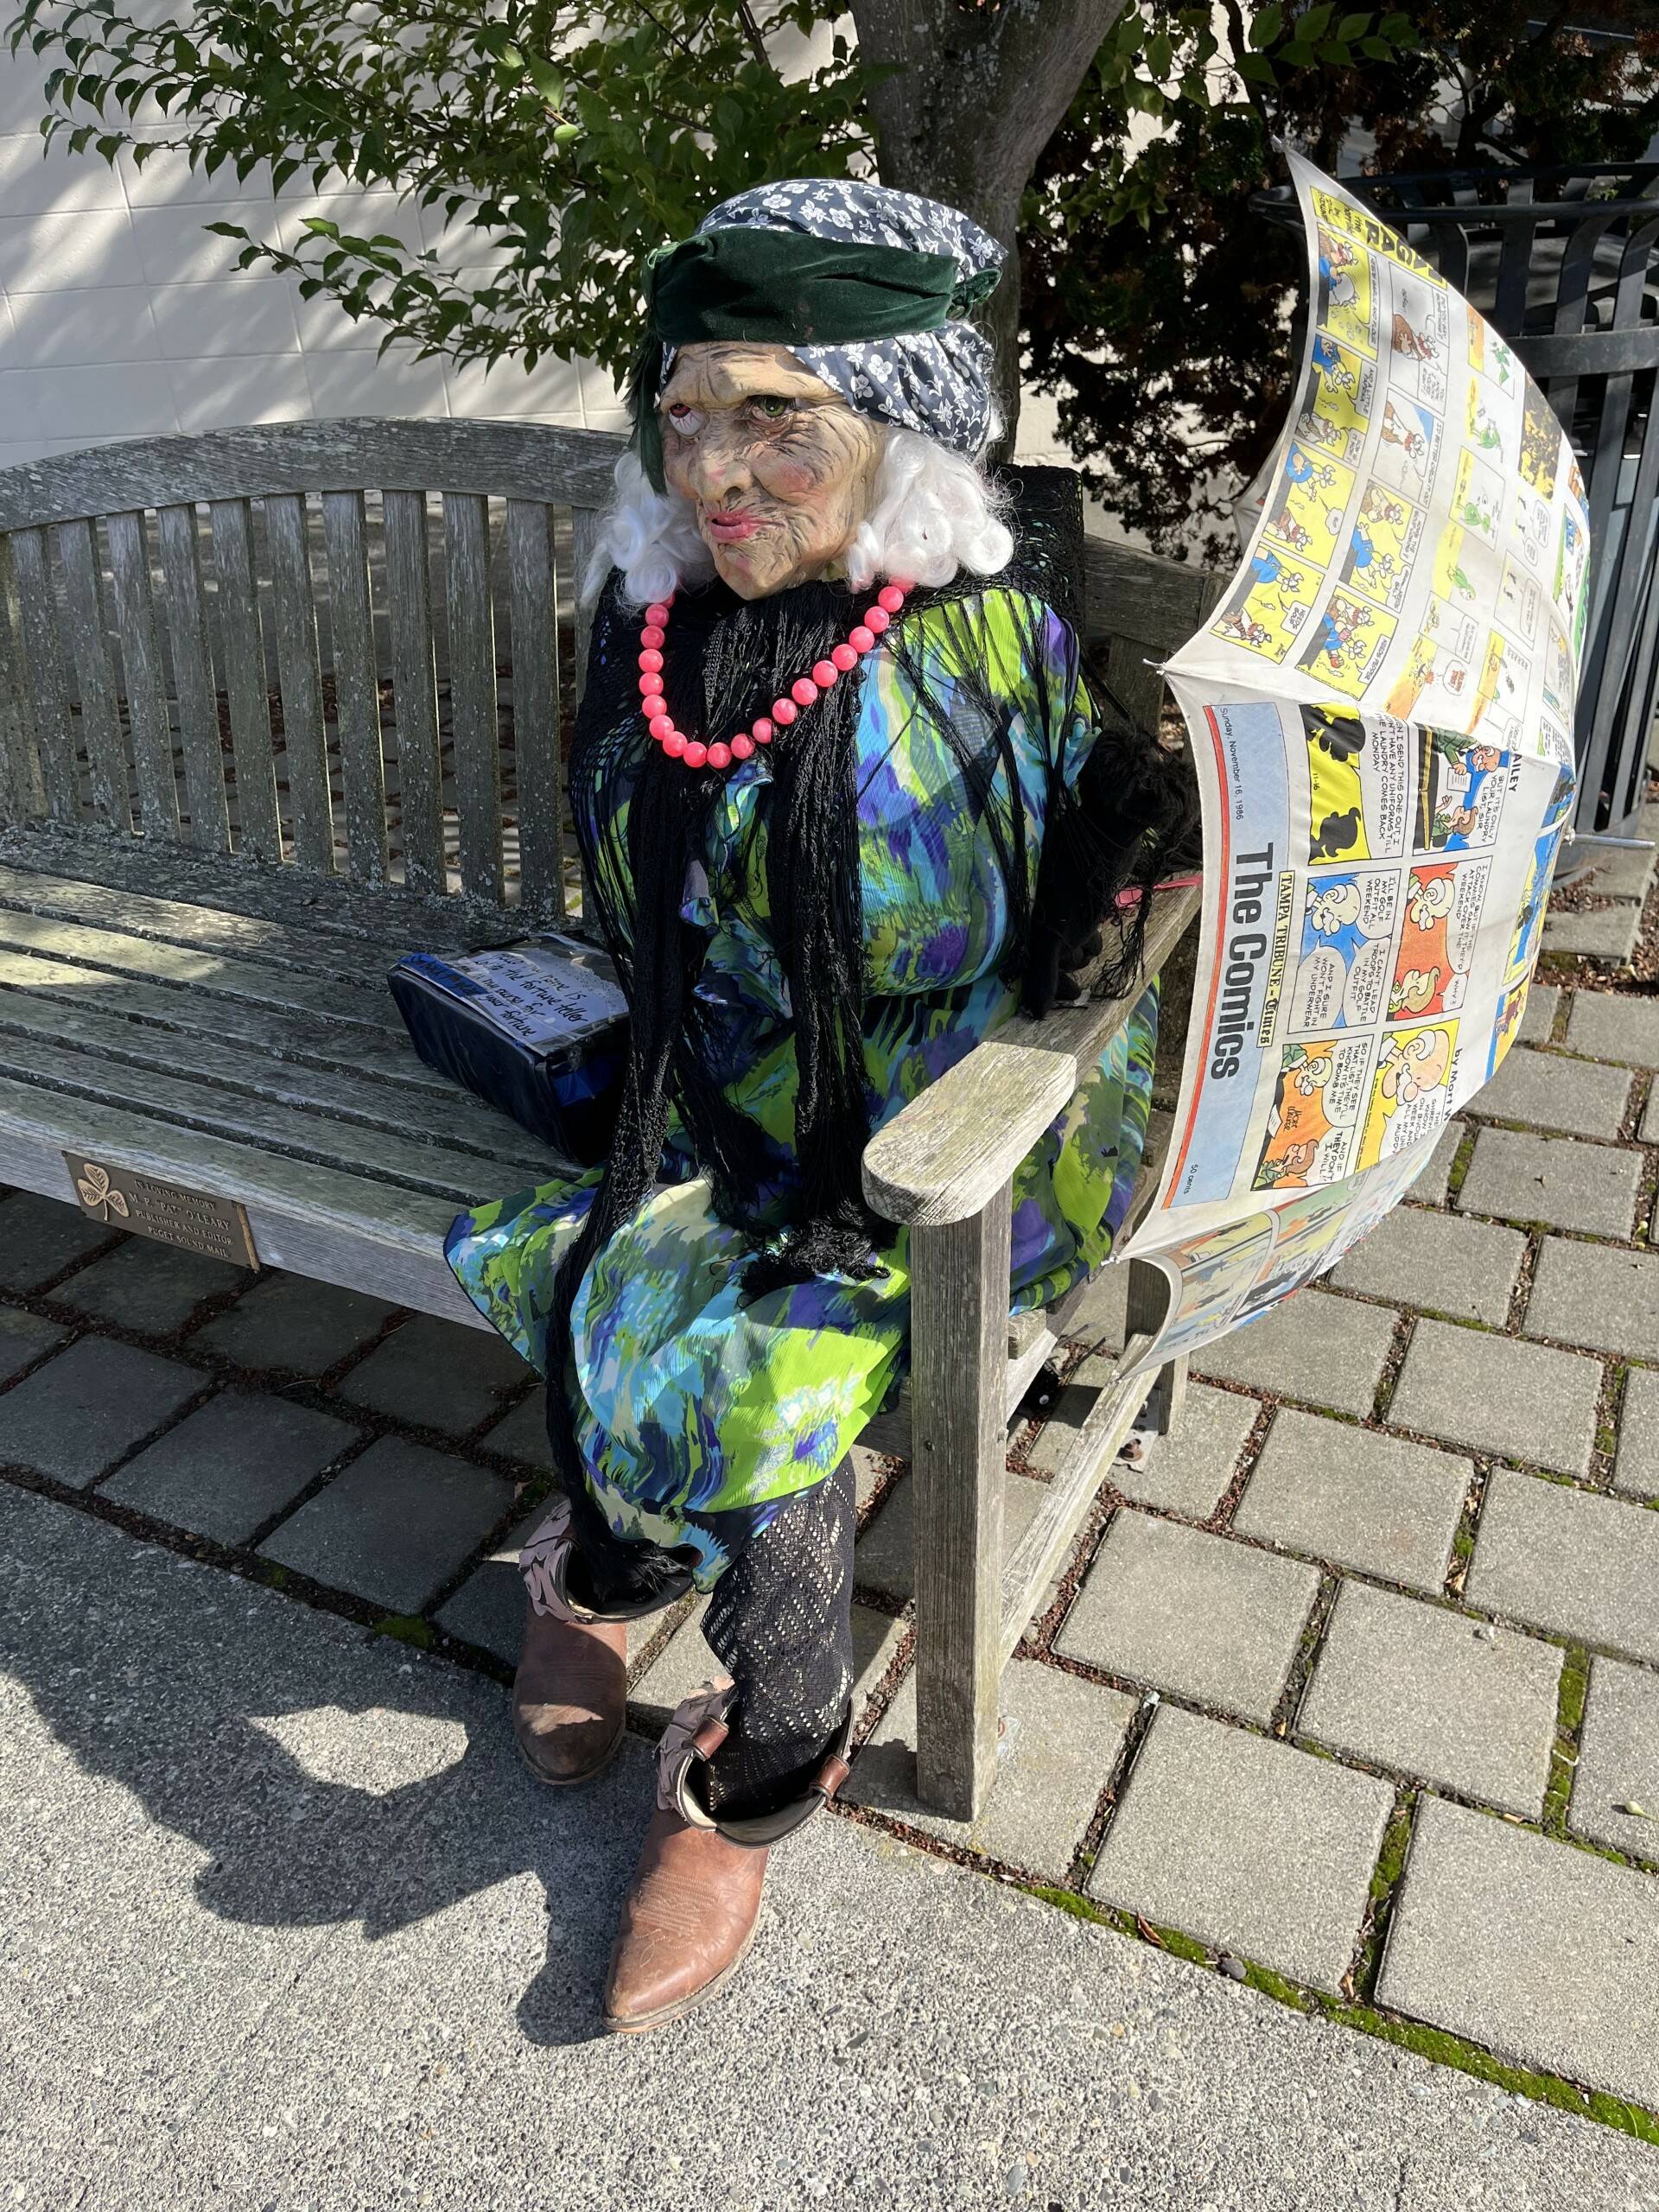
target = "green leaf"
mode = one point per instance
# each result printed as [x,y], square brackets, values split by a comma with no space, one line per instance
[1316,22]
[546,79]
[1267,26]
[1351,26]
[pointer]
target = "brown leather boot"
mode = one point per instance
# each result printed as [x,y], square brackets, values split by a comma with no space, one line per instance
[569,1695]
[691,1912]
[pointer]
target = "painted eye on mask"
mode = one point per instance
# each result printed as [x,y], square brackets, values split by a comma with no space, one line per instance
[686,420]
[771,406]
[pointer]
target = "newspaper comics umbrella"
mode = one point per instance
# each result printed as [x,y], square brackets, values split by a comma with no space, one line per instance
[1379,708]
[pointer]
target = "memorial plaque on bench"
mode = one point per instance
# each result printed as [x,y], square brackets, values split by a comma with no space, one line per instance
[123,1199]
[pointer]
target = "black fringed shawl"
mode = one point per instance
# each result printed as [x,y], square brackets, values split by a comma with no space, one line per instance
[1118,824]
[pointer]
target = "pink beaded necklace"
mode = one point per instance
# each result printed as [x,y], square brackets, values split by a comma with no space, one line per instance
[801,692]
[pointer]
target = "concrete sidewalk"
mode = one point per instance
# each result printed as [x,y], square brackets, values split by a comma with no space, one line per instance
[284,1924]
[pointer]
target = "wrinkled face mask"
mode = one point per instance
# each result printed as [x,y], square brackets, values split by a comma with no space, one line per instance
[778,468]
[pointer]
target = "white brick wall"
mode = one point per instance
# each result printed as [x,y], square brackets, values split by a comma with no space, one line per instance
[122,316]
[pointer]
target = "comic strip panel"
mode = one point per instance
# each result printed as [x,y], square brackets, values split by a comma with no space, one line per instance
[1501,694]
[1572,563]
[1347,643]
[1411,1092]
[1540,444]
[1347,929]
[1535,896]
[1360,788]
[1411,440]
[1532,525]
[1438,935]
[1419,333]
[1520,600]
[1266,615]
[1348,306]
[1338,395]
[1381,546]
[1318,1103]
[1491,423]
[1305,517]
[1478,497]
[1490,357]
[1460,792]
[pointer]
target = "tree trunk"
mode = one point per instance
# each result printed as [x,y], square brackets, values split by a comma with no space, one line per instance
[976,93]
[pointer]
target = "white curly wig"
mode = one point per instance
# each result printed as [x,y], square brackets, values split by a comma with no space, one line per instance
[934,511]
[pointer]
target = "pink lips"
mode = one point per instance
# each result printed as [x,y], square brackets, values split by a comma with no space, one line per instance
[732,529]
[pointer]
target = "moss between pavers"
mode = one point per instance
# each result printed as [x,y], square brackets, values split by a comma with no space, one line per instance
[406,1627]
[1438,2045]
[1460,1165]
[1564,1752]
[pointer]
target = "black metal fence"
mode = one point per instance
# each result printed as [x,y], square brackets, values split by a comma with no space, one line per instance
[1564,263]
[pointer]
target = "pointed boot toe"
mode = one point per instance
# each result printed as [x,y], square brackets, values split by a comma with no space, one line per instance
[687,1923]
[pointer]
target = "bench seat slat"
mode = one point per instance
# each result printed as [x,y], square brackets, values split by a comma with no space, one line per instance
[383,914]
[114,950]
[179,529]
[307,1040]
[318,1222]
[177,921]
[451,1118]
[414,1162]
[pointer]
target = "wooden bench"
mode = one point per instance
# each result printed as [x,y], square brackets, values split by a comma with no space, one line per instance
[263,728]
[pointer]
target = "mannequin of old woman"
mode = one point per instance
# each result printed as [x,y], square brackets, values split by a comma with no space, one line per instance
[776,468]
[820,889]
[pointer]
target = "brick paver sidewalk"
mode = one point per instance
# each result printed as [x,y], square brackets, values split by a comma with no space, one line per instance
[1352,1685]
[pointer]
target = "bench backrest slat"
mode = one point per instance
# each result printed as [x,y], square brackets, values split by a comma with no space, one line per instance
[89,649]
[292,569]
[535,702]
[140,669]
[362,765]
[43,658]
[193,680]
[471,691]
[299,680]
[241,638]
[415,689]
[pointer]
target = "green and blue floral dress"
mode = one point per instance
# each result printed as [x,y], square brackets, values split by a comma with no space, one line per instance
[698,1415]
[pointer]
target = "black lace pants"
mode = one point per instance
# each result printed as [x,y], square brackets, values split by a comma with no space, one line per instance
[779,1621]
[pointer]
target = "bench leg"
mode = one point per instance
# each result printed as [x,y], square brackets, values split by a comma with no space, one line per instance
[1166,1398]
[959,1351]
[1148,1305]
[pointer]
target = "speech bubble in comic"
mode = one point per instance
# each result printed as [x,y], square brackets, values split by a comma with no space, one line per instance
[1411,1089]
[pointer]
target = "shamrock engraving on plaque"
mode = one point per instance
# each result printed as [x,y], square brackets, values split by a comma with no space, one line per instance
[122,1198]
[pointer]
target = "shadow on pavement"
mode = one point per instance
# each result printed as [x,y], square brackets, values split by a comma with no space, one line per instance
[328,1778]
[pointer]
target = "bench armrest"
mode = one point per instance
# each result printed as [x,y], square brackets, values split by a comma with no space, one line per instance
[951,1150]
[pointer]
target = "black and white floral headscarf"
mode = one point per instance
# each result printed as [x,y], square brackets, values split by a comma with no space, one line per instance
[938,382]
